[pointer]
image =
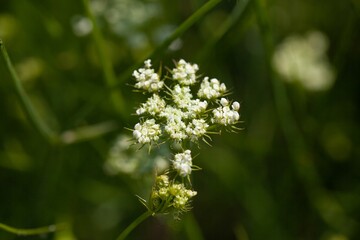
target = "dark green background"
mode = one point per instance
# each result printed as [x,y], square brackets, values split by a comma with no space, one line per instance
[256,184]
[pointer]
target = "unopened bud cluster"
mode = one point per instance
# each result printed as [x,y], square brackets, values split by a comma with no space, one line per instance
[181,108]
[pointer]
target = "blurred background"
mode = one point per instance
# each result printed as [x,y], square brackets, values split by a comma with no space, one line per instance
[293,172]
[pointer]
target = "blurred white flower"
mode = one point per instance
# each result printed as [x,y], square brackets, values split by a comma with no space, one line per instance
[303,59]
[124,157]
[81,25]
[123,16]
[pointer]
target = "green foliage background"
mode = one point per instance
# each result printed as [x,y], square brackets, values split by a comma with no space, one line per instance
[288,175]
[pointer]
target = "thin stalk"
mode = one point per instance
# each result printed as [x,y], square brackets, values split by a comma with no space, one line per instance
[108,70]
[321,199]
[225,26]
[31,231]
[29,109]
[87,132]
[185,26]
[134,224]
[176,34]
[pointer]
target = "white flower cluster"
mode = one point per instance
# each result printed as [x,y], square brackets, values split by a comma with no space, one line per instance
[185,72]
[303,60]
[211,89]
[173,113]
[153,106]
[181,117]
[224,115]
[183,163]
[147,131]
[147,79]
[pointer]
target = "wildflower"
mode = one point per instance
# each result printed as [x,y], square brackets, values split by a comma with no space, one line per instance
[183,163]
[154,105]
[147,132]
[167,196]
[176,129]
[181,96]
[181,118]
[147,79]
[185,73]
[171,113]
[223,115]
[195,108]
[181,196]
[303,60]
[211,89]
[196,129]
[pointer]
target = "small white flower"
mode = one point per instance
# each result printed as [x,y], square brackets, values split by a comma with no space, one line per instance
[147,132]
[176,129]
[154,105]
[147,79]
[235,106]
[140,111]
[183,163]
[195,107]
[182,96]
[190,193]
[223,115]
[172,114]
[185,73]
[211,89]
[196,129]
[224,102]
[147,63]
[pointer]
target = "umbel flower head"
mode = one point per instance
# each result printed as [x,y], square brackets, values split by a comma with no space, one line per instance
[181,108]
[167,196]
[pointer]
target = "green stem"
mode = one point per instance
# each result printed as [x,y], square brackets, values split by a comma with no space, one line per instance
[225,27]
[87,132]
[31,231]
[327,206]
[134,224]
[31,112]
[176,34]
[185,26]
[105,61]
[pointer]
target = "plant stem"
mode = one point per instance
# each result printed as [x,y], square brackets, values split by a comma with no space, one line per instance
[224,27]
[321,199]
[176,34]
[31,231]
[185,26]
[134,224]
[109,74]
[31,112]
